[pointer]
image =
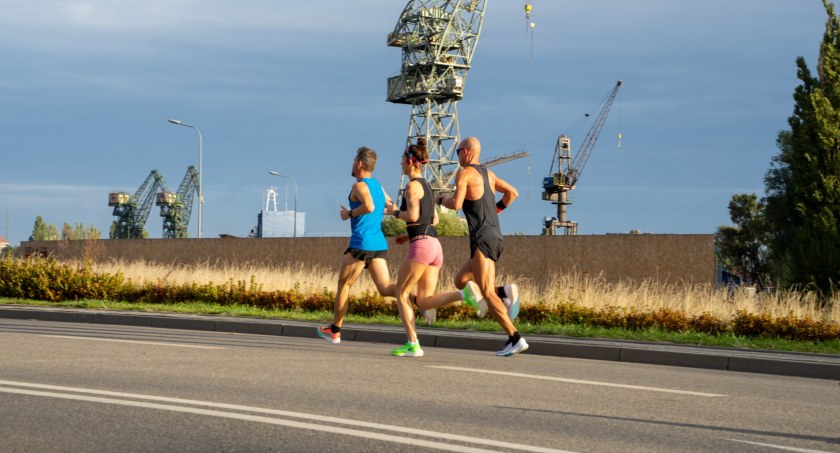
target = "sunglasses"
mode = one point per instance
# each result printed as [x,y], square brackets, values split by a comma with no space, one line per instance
[458,150]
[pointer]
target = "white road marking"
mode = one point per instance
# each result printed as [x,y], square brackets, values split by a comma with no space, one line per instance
[780,447]
[275,421]
[114,340]
[576,381]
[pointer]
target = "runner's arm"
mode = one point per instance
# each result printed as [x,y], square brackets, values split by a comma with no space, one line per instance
[361,193]
[456,201]
[509,193]
[412,203]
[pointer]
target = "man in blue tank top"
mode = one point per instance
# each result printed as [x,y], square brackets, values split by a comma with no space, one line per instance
[475,193]
[368,247]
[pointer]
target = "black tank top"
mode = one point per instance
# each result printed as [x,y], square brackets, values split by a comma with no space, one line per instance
[482,218]
[423,226]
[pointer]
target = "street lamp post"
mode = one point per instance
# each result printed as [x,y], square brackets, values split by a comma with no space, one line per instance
[274,173]
[200,170]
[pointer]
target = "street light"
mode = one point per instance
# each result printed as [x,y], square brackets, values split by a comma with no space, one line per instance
[274,173]
[200,172]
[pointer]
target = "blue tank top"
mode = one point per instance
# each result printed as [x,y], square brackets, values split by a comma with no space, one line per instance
[366,230]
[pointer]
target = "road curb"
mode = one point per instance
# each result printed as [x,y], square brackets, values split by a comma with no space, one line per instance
[819,366]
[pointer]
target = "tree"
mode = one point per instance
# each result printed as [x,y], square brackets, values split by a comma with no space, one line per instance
[742,249]
[79,232]
[803,184]
[43,231]
[449,224]
[392,226]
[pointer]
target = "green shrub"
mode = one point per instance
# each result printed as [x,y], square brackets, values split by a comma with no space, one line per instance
[48,280]
[706,323]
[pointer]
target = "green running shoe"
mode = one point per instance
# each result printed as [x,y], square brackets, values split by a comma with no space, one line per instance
[408,350]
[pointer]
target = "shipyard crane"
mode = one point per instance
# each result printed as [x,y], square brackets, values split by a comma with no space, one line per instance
[132,211]
[438,40]
[176,207]
[558,184]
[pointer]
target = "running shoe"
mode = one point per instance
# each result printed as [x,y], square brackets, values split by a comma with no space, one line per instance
[327,334]
[408,350]
[511,300]
[474,298]
[430,316]
[511,349]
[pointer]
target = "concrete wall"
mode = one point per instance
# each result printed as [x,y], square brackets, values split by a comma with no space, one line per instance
[634,257]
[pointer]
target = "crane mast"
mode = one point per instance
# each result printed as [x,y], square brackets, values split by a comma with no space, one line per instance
[175,208]
[132,211]
[557,185]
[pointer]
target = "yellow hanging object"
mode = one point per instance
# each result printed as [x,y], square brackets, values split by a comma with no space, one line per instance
[527,14]
[619,139]
[532,25]
[529,27]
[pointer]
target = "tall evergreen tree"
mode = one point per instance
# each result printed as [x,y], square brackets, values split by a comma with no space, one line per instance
[803,184]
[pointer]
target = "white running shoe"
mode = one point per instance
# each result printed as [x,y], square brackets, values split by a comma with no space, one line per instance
[430,315]
[474,298]
[511,349]
[511,300]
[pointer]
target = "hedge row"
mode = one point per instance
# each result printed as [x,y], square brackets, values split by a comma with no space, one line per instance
[49,280]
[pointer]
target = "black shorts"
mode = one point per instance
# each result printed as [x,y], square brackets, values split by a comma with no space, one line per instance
[366,255]
[490,248]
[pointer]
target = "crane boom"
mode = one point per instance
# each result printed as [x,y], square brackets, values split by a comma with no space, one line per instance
[505,158]
[592,136]
[495,161]
[557,185]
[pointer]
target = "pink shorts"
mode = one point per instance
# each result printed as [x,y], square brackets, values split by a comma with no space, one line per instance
[425,250]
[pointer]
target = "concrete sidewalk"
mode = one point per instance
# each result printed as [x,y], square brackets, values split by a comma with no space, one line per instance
[818,366]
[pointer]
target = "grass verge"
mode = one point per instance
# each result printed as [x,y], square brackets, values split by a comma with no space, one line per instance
[572,330]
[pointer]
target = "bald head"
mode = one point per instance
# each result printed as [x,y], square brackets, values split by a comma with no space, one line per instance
[473,147]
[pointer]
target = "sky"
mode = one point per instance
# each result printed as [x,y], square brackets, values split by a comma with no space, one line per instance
[87,88]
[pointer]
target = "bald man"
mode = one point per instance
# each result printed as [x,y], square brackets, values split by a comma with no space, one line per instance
[475,194]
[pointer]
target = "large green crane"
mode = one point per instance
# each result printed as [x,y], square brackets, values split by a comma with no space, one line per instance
[132,211]
[438,39]
[176,207]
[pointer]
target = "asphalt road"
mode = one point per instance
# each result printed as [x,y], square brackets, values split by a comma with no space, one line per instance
[82,387]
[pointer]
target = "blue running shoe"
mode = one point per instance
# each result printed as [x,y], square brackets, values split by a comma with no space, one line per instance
[511,300]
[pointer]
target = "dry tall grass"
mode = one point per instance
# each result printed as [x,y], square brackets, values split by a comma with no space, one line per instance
[583,290]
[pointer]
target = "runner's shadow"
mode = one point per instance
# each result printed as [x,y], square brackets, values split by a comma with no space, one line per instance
[830,440]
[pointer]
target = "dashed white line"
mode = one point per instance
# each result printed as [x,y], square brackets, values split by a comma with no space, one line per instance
[177,406]
[576,381]
[780,447]
[114,340]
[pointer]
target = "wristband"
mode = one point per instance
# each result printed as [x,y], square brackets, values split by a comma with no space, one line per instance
[397,214]
[349,213]
[500,206]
